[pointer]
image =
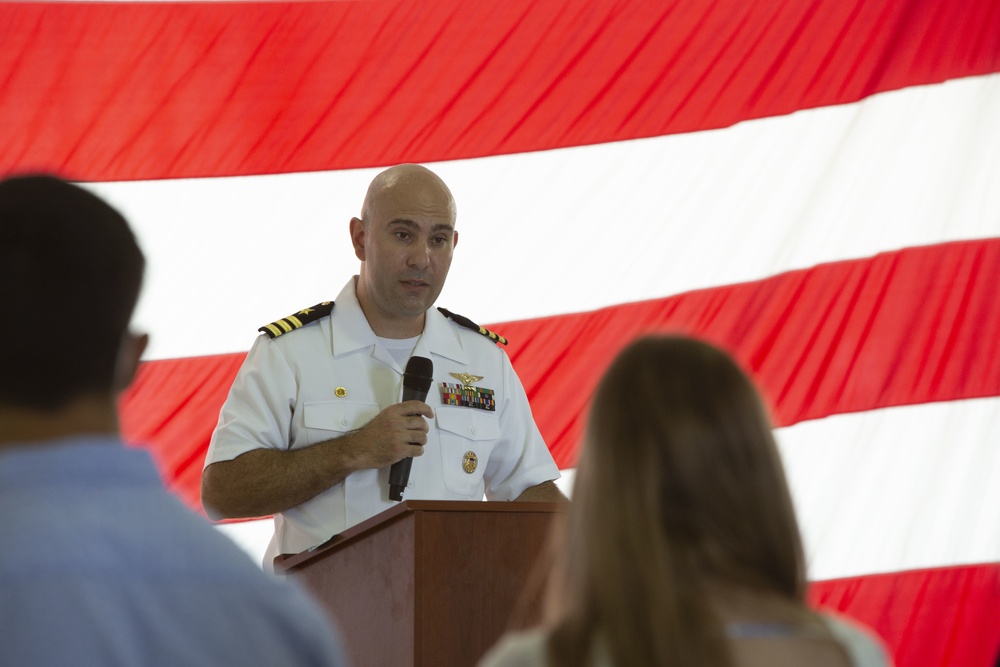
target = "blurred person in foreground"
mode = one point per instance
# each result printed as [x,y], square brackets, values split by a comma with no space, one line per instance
[101,565]
[681,546]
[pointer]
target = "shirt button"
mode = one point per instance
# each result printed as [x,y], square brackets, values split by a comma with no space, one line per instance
[474,431]
[343,422]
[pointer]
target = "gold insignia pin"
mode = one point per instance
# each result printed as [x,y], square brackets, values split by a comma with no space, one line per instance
[466,378]
[470,462]
[340,392]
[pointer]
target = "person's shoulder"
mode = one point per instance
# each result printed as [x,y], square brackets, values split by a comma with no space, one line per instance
[521,649]
[865,648]
[279,623]
[297,320]
[465,323]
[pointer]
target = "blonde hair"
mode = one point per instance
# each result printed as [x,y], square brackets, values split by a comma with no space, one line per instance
[679,487]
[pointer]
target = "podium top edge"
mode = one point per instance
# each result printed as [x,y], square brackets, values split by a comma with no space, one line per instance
[290,562]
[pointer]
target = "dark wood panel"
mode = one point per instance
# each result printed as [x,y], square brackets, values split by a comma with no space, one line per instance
[426,583]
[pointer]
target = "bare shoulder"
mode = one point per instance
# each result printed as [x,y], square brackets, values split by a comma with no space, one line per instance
[864,647]
[521,649]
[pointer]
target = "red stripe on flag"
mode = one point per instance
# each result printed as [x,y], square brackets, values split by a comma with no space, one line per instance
[120,91]
[941,617]
[172,408]
[922,323]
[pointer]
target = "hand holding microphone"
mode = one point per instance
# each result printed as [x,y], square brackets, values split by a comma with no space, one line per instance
[417,380]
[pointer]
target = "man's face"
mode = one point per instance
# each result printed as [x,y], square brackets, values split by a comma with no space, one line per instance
[405,246]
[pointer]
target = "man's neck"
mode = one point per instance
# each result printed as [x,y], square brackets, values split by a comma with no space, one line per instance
[89,415]
[388,327]
[396,329]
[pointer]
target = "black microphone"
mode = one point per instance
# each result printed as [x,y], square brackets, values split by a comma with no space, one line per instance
[417,381]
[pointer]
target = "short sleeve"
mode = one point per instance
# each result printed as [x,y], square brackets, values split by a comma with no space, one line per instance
[521,459]
[258,411]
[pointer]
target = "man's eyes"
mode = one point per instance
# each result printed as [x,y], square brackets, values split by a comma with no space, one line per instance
[434,240]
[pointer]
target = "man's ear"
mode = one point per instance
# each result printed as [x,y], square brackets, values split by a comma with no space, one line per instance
[454,240]
[358,237]
[129,355]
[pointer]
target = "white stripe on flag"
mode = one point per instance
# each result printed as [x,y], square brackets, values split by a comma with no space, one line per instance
[897,489]
[580,228]
[881,491]
[253,536]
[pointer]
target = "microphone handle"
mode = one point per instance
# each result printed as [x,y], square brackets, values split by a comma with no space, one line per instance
[399,477]
[399,473]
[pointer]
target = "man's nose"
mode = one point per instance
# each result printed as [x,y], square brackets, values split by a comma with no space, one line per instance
[419,256]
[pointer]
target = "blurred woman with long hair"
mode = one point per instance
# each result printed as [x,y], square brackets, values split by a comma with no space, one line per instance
[680,546]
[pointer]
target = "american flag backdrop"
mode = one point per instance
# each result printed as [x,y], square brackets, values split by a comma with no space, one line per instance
[813,185]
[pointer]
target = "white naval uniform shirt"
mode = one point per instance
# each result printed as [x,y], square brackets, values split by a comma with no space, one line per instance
[284,397]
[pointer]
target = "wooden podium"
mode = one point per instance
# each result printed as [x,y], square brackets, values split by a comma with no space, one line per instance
[426,583]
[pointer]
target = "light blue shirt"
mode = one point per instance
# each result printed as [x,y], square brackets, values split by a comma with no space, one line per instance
[100,565]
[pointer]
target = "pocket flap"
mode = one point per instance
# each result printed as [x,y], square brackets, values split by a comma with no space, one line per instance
[468,423]
[337,415]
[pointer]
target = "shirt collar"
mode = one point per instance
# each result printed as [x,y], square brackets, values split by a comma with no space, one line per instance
[351,332]
[348,326]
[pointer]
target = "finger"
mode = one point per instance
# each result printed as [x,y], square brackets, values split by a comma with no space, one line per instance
[416,408]
[416,438]
[414,449]
[417,424]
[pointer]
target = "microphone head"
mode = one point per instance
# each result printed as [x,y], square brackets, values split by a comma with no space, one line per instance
[419,374]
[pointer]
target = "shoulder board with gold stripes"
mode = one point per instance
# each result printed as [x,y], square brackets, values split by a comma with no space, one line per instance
[299,319]
[461,320]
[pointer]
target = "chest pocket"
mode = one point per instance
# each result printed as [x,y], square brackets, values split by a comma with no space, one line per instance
[468,436]
[323,420]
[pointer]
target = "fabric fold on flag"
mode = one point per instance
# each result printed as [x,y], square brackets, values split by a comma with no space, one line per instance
[811,185]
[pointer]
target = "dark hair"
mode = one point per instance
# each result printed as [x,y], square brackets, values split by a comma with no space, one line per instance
[70,272]
[679,491]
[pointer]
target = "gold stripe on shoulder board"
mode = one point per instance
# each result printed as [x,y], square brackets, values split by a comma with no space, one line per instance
[464,321]
[297,320]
